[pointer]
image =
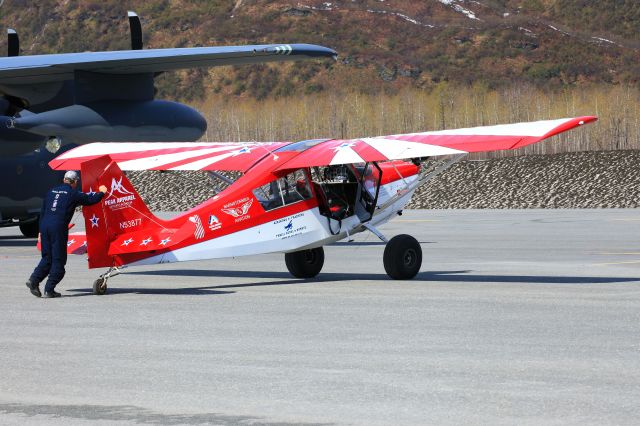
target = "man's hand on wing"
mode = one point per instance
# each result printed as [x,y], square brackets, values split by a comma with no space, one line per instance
[103,189]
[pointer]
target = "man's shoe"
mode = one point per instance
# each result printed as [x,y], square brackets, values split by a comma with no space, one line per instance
[51,294]
[35,288]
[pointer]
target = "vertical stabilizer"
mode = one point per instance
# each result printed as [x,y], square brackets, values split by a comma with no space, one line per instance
[121,210]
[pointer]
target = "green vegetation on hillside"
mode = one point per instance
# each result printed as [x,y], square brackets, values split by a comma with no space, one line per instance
[352,115]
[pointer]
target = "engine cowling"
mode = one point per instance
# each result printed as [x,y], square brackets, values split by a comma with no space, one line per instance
[17,142]
[117,121]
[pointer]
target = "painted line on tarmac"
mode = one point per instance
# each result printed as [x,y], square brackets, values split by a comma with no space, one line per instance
[416,220]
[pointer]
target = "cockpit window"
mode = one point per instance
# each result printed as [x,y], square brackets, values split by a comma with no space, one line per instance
[283,191]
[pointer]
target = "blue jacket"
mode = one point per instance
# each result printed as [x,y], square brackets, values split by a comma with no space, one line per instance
[60,203]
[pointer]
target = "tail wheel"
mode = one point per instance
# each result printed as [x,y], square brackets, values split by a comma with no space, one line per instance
[402,257]
[100,286]
[305,263]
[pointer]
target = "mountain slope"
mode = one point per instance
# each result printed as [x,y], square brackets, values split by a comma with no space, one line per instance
[383,45]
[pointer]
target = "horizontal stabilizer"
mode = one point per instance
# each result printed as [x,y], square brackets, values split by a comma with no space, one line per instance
[149,240]
[76,244]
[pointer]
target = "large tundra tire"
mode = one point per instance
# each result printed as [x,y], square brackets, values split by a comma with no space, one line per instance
[305,263]
[402,257]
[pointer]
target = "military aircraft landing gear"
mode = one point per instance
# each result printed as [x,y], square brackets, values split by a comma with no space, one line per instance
[30,229]
[100,285]
[402,257]
[305,263]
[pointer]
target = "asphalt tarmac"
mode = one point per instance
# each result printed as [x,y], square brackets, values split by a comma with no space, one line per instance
[518,317]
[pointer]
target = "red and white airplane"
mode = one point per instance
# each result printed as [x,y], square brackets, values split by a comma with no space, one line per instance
[292,198]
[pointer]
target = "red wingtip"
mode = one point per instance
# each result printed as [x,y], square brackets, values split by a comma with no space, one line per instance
[571,124]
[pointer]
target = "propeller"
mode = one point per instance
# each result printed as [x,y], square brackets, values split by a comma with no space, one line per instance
[13,43]
[10,105]
[136,31]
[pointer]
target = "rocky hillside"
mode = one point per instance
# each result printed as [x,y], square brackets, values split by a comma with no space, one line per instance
[383,44]
[570,180]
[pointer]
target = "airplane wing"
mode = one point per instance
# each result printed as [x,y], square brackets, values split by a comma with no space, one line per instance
[59,67]
[239,156]
[427,144]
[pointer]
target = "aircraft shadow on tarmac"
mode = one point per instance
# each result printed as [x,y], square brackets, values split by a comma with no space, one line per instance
[283,278]
[185,291]
[367,243]
[129,414]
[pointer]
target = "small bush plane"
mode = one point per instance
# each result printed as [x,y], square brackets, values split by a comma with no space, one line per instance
[292,198]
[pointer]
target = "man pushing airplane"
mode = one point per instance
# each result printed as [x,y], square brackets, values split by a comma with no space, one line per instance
[57,210]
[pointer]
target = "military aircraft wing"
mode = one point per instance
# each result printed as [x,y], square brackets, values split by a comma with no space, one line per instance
[428,144]
[237,156]
[59,67]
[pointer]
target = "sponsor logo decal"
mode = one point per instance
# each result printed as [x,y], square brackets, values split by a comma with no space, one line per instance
[344,145]
[125,198]
[288,218]
[118,187]
[290,226]
[214,223]
[243,150]
[199,231]
[239,209]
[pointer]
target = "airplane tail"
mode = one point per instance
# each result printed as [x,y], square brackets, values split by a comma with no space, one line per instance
[120,211]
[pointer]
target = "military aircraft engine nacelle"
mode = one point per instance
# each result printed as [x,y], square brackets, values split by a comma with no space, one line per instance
[16,142]
[117,121]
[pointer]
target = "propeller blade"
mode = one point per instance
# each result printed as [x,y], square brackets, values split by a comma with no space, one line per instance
[136,31]
[13,43]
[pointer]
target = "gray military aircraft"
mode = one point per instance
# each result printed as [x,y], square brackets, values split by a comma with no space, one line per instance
[52,103]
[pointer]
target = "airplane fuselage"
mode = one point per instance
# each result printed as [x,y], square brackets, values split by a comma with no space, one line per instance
[266,210]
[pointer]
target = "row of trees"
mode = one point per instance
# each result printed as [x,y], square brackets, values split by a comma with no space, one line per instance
[350,115]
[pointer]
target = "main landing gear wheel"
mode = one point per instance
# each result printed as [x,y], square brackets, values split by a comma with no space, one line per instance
[305,263]
[30,229]
[100,286]
[402,257]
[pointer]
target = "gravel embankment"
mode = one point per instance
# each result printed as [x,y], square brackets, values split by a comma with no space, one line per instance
[569,180]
